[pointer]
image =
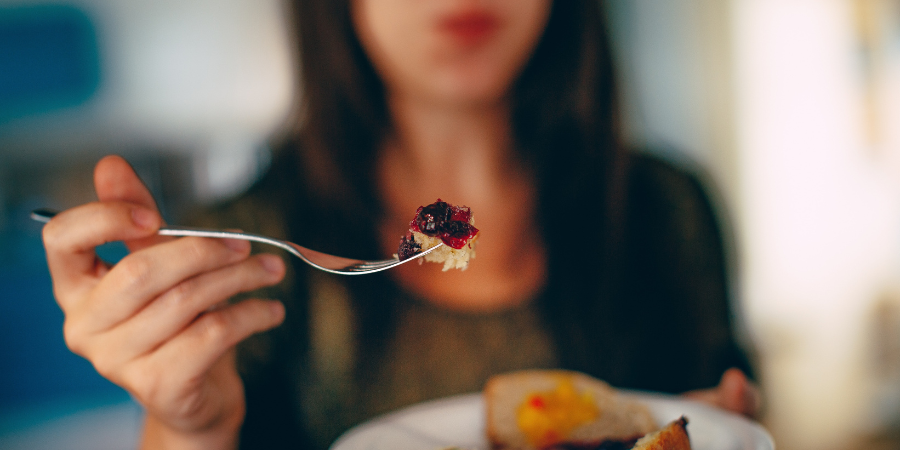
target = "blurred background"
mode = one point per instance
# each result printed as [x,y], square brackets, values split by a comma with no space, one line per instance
[789,108]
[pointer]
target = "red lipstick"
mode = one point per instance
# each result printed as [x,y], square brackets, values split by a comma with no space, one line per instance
[469,27]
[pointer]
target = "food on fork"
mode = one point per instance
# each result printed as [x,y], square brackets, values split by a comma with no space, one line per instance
[556,409]
[441,222]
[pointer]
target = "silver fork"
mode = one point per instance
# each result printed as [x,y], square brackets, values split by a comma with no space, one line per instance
[319,260]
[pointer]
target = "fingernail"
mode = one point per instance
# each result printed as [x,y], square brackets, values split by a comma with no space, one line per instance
[238,245]
[143,218]
[271,263]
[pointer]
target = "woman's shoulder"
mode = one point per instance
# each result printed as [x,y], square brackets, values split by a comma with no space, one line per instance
[653,174]
[674,205]
[659,184]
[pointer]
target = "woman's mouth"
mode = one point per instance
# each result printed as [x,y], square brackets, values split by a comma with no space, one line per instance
[470,27]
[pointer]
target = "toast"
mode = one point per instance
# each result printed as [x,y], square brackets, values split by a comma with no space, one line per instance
[672,437]
[540,410]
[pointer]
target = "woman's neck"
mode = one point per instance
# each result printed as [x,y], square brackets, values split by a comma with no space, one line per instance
[452,144]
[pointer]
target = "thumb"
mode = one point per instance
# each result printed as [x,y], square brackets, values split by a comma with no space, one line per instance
[116,181]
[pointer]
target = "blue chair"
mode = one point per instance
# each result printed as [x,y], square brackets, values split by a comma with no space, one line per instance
[49,59]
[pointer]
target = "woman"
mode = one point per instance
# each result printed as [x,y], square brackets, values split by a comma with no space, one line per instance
[589,259]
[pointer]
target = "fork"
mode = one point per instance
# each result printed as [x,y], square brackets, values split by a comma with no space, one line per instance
[319,260]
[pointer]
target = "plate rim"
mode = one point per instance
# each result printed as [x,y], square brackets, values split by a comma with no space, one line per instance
[754,427]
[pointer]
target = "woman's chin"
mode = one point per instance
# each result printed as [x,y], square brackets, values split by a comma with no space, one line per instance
[456,87]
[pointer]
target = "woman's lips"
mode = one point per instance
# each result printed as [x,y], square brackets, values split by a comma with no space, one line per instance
[469,28]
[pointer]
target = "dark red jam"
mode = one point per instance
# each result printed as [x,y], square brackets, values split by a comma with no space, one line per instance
[449,223]
[408,247]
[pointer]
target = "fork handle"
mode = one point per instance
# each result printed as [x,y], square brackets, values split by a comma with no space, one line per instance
[45,214]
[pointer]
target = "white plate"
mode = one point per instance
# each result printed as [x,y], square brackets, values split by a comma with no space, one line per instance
[459,422]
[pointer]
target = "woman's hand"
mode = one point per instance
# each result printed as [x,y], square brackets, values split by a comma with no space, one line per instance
[156,323]
[734,393]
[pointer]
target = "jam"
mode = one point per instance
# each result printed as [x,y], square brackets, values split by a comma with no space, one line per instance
[546,418]
[430,219]
[445,221]
[408,247]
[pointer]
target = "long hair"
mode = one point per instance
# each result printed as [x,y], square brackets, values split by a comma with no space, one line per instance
[565,129]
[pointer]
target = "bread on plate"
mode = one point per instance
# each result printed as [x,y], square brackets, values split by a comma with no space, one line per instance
[557,409]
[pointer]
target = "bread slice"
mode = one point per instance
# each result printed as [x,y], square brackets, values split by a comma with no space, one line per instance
[540,409]
[452,258]
[672,437]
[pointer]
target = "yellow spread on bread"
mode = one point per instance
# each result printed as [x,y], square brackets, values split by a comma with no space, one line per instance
[547,417]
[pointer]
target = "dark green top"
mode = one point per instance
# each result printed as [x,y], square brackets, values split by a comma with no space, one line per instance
[324,370]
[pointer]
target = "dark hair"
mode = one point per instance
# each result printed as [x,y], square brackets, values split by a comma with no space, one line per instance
[565,128]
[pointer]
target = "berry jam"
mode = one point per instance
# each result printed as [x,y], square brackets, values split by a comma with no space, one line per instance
[429,219]
[408,247]
[449,223]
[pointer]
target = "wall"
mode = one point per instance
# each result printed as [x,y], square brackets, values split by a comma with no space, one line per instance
[793,107]
[817,114]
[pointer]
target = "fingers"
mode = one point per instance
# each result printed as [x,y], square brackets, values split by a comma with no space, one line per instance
[70,238]
[142,276]
[126,212]
[179,306]
[115,180]
[738,394]
[734,393]
[189,355]
[147,323]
